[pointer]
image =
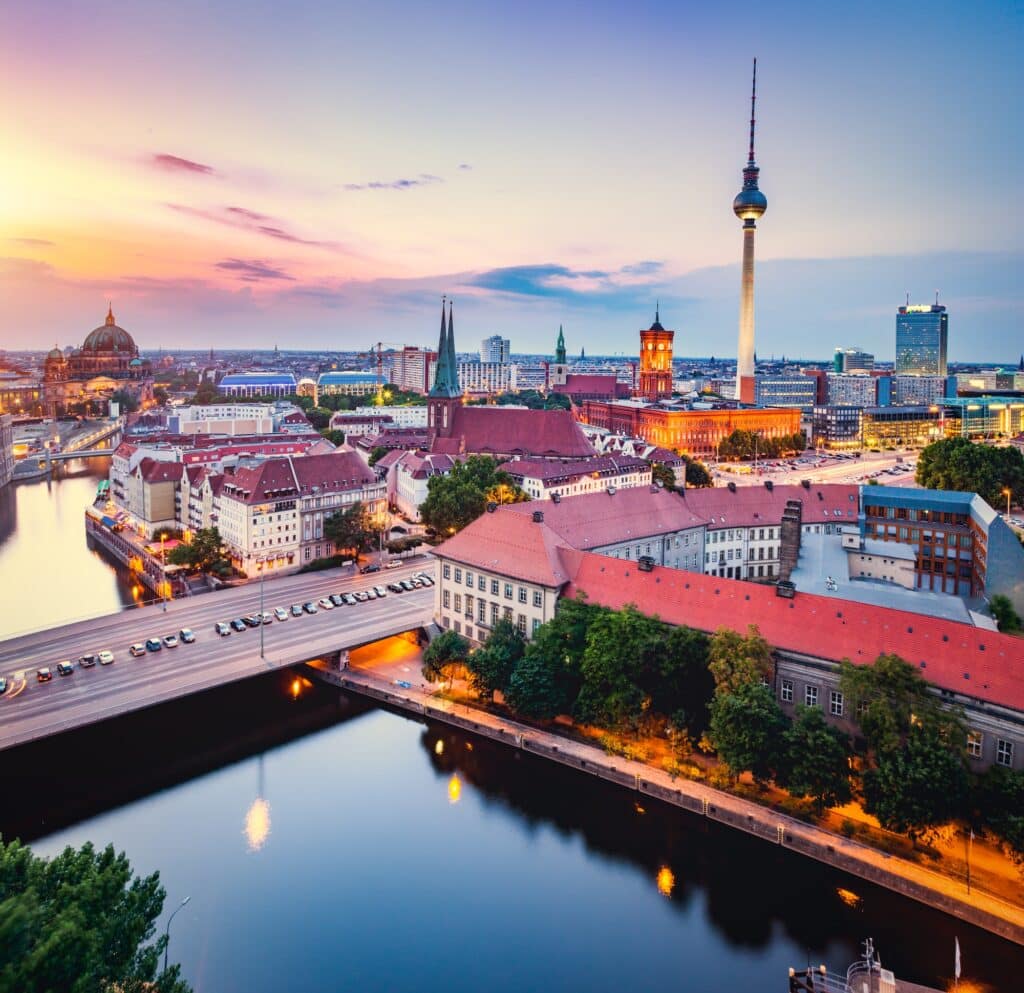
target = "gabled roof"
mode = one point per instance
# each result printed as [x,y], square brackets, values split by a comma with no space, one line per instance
[749,506]
[332,473]
[153,471]
[512,545]
[515,431]
[953,656]
[270,480]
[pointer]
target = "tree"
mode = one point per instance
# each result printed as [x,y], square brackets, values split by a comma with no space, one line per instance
[79,922]
[334,436]
[376,455]
[661,473]
[537,686]
[736,660]
[1007,619]
[697,475]
[491,666]
[447,650]
[747,728]
[964,465]
[999,802]
[204,553]
[681,685]
[319,418]
[816,759]
[457,499]
[351,528]
[127,403]
[919,785]
[160,395]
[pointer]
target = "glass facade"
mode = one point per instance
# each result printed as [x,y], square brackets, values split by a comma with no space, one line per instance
[921,337]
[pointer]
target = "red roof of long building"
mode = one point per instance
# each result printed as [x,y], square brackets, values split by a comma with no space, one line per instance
[514,431]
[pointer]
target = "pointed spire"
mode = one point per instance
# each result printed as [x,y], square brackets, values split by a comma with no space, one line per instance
[560,347]
[110,313]
[446,379]
[657,311]
[753,101]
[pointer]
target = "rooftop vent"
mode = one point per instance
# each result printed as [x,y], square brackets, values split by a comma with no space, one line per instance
[611,491]
[645,563]
[785,588]
[732,487]
[805,483]
[769,485]
[556,497]
[538,517]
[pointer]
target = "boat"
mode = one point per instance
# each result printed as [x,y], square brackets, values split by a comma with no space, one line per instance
[866,975]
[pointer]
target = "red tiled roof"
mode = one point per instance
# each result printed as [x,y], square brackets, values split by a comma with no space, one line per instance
[512,431]
[593,520]
[958,657]
[270,480]
[510,544]
[592,384]
[332,473]
[753,505]
[153,471]
[422,465]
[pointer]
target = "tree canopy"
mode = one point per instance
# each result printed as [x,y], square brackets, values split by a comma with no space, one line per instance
[447,649]
[697,475]
[736,660]
[205,552]
[80,922]
[816,759]
[459,498]
[491,666]
[970,467]
[747,728]
[746,444]
[351,528]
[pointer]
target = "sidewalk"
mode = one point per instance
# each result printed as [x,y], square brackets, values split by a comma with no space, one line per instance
[912,880]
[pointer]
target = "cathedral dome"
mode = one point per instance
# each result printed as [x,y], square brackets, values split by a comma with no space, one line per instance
[108,337]
[55,355]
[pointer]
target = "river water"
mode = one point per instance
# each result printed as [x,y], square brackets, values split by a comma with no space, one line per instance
[328,845]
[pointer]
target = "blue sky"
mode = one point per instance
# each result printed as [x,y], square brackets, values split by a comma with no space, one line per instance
[255,173]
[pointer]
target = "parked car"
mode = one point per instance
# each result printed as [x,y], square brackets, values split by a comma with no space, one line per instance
[238,624]
[372,567]
[253,620]
[296,610]
[407,585]
[43,675]
[87,661]
[222,628]
[137,650]
[268,617]
[170,641]
[105,657]
[280,613]
[3,685]
[350,599]
[186,635]
[395,588]
[154,644]
[425,579]
[380,591]
[309,607]
[361,596]
[66,667]
[325,603]
[393,565]
[336,599]
[371,594]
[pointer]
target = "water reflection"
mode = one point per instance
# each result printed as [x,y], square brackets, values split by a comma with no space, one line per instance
[257,818]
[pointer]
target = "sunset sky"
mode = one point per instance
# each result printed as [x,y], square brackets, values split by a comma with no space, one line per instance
[317,175]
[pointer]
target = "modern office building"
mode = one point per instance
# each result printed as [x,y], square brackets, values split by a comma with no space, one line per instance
[347,383]
[487,377]
[922,333]
[859,389]
[904,427]
[852,360]
[495,349]
[785,391]
[836,426]
[257,384]
[922,389]
[412,369]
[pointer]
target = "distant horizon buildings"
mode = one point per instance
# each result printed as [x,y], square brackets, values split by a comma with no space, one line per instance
[922,338]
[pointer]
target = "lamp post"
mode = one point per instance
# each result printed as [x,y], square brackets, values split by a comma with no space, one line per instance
[163,572]
[261,565]
[1007,492]
[167,930]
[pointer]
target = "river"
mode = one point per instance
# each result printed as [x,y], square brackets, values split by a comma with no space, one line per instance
[329,845]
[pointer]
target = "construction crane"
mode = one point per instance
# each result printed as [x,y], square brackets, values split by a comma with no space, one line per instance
[375,354]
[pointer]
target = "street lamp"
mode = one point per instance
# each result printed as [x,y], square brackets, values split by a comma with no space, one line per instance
[167,930]
[163,572]
[260,565]
[1007,492]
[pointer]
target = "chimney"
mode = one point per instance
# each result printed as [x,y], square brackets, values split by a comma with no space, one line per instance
[538,517]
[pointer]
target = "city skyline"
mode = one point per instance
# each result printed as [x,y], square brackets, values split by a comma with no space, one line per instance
[332,210]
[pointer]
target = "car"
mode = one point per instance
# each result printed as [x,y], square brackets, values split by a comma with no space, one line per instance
[393,565]
[361,596]
[170,641]
[66,667]
[380,591]
[44,675]
[337,599]
[238,624]
[296,610]
[309,607]
[253,620]
[137,650]
[372,567]
[3,685]
[325,603]
[154,644]
[407,585]
[222,628]
[268,617]
[350,599]
[404,683]
[395,588]
[425,579]
[417,582]
[280,613]
[186,635]
[105,657]
[87,661]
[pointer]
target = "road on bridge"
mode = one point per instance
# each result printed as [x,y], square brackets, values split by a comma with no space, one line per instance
[30,710]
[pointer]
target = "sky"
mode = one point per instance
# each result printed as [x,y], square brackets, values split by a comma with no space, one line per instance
[244,174]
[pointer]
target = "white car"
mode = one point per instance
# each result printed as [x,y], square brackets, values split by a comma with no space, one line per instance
[325,603]
[105,657]
[380,591]
[170,641]
[280,613]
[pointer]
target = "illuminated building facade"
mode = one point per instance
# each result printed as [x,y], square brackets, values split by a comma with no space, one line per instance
[922,334]
[656,361]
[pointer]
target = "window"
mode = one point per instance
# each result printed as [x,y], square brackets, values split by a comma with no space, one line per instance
[975,743]
[458,575]
[862,707]
[494,587]
[536,625]
[835,703]
[481,584]
[469,606]
[508,591]
[810,692]
[786,691]
[458,603]
[522,594]
[538,598]
[481,611]
[446,599]
[494,614]
[446,571]
[507,613]
[469,579]
[1004,752]
[521,623]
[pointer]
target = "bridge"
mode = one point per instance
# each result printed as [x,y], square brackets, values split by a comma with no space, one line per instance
[30,710]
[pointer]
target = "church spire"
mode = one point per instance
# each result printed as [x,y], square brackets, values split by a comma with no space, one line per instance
[560,347]
[110,314]
[446,379]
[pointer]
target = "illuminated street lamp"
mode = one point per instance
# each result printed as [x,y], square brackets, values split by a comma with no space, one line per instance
[1007,492]
[167,930]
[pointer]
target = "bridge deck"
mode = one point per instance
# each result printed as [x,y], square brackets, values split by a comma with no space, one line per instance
[30,710]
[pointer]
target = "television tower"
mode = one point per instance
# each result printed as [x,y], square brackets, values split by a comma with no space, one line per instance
[749,205]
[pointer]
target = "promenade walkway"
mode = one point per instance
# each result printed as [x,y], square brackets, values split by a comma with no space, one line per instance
[912,880]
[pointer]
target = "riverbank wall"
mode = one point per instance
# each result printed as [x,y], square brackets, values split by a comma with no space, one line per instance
[907,878]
